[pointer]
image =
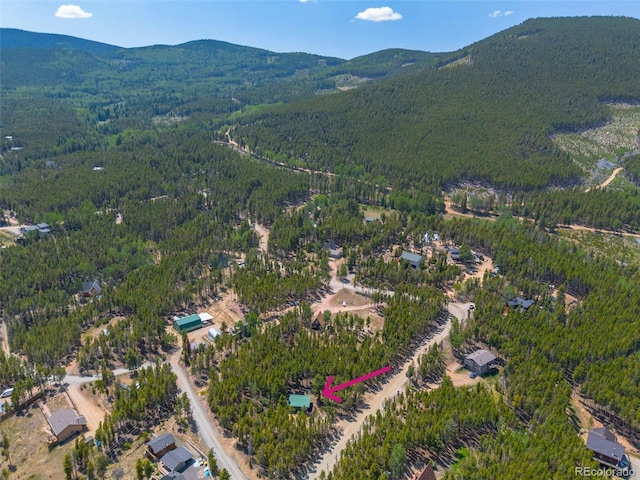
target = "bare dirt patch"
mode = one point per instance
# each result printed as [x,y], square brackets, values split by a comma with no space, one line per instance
[226,309]
[87,404]
[28,449]
[460,375]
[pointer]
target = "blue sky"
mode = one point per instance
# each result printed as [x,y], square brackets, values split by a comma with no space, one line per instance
[339,28]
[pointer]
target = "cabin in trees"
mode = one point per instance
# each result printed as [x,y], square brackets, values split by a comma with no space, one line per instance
[177,459]
[414,259]
[427,474]
[159,446]
[66,423]
[187,324]
[301,401]
[91,289]
[334,251]
[520,303]
[480,361]
[606,448]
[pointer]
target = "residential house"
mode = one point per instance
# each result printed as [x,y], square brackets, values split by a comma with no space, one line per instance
[413,258]
[606,448]
[188,323]
[159,446]
[66,423]
[317,323]
[427,474]
[520,303]
[480,361]
[91,289]
[177,459]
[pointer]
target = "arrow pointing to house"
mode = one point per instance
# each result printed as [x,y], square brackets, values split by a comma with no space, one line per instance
[328,391]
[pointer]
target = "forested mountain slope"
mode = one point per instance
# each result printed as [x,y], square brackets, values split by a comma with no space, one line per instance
[487,117]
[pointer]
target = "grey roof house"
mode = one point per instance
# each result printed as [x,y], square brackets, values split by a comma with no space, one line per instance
[519,302]
[65,423]
[91,289]
[413,258]
[177,459]
[158,446]
[606,449]
[480,361]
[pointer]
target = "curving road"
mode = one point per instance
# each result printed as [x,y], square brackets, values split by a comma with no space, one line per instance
[205,429]
[391,388]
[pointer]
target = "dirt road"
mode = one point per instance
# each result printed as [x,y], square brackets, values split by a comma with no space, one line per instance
[86,407]
[375,401]
[206,430]
[264,236]
[4,337]
[611,178]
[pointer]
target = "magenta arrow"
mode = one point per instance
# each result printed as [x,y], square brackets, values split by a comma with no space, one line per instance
[328,391]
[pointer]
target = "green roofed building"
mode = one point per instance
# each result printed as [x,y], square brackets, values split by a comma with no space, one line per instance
[300,401]
[187,324]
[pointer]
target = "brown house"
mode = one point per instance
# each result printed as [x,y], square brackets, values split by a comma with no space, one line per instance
[427,474]
[159,446]
[66,423]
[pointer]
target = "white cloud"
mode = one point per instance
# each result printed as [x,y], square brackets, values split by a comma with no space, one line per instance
[500,13]
[382,14]
[72,11]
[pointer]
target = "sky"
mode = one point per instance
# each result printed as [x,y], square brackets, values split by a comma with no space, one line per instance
[338,28]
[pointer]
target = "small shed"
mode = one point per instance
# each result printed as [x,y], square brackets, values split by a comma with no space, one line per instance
[159,446]
[65,423]
[300,401]
[188,323]
[176,459]
[413,258]
[480,361]
[213,333]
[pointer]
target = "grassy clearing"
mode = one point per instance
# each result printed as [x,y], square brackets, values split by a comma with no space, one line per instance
[609,141]
[27,434]
[625,250]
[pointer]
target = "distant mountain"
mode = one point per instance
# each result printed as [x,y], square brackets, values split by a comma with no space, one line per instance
[113,89]
[483,114]
[14,38]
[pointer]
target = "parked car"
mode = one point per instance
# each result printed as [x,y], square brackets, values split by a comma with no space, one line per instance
[6,393]
[472,306]
[473,375]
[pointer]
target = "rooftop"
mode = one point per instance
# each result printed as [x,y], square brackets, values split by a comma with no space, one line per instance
[481,357]
[411,257]
[299,401]
[520,302]
[602,441]
[174,458]
[61,419]
[188,319]
[161,442]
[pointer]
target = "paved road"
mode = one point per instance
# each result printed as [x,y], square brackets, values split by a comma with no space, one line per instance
[206,430]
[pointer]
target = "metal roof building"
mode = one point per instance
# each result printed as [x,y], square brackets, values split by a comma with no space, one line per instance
[300,401]
[188,323]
